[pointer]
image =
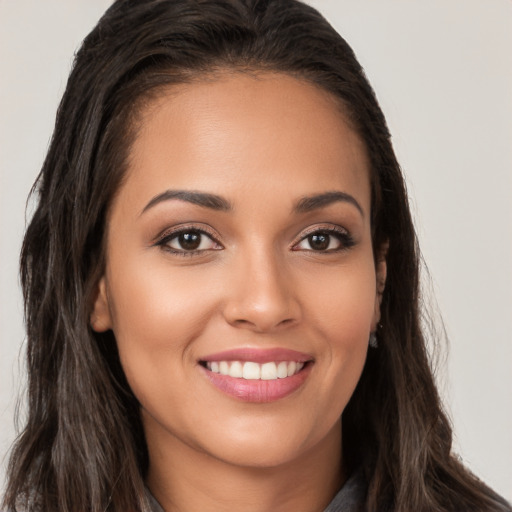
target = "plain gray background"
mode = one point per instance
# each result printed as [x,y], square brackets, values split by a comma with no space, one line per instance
[443,75]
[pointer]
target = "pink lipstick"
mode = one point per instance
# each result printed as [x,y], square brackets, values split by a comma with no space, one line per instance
[257,375]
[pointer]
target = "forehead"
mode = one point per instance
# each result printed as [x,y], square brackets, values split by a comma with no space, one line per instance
[246,131]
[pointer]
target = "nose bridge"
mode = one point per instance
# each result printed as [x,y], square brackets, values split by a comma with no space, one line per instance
[262,293]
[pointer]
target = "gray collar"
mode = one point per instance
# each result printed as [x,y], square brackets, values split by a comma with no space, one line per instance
[351,496]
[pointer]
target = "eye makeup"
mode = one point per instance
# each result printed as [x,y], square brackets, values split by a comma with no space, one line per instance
[193,239]
[320,239]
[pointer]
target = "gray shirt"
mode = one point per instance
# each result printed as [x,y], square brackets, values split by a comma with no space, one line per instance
[349,498]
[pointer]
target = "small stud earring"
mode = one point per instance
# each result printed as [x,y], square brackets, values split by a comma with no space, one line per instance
[373,340]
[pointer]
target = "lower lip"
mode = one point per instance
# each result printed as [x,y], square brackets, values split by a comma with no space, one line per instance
[259,391]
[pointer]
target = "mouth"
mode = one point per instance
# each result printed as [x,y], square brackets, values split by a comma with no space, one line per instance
[257,375]
[251,370]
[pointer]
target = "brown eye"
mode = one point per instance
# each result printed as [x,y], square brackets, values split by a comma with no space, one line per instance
[325,240]
[189,241]
[319,241]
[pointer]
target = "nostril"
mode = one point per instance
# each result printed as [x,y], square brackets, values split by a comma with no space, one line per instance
[242,323]
[263,325]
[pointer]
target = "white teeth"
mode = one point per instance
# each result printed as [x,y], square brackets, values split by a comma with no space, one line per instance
[268,371]
[255,371]
[251,371]
[236,370]
[282,370]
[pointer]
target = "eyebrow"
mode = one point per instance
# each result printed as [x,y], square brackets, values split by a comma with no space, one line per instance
[310,203]
[203,199]
[214,202]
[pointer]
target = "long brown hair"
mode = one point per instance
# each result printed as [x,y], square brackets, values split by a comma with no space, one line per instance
[83,446]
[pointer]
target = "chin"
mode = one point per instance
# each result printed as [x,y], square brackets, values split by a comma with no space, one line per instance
[258,454]
[273,445]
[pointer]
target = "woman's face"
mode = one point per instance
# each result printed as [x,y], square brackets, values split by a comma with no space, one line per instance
[240,281]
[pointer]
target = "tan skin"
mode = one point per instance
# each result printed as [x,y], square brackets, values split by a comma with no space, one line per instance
[259,278]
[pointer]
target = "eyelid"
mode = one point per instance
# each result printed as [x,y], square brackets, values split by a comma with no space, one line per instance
[333,229]
[184,228]
[323,227]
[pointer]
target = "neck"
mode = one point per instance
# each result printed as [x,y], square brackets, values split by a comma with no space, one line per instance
[185,479]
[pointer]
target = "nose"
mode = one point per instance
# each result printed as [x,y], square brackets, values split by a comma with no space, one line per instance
[262,295]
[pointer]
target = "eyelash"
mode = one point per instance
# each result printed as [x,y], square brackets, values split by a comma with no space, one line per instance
[164,241]
[344,237]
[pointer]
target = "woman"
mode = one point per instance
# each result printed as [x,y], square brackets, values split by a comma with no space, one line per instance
[221,280]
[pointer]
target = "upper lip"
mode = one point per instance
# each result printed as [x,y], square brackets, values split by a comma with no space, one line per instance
[258,355]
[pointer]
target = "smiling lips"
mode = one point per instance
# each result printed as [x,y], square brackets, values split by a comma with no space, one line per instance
[257,375]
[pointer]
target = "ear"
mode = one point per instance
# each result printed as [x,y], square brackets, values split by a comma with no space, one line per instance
[381,270]
[101,319]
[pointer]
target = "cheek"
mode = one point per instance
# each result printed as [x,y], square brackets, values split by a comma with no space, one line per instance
[342,316]
[152,303]
[157,313]
[343,301]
